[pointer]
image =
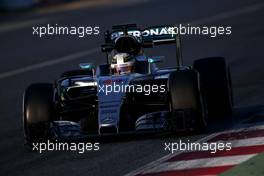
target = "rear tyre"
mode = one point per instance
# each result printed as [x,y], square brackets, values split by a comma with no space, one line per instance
[186,103]
[216,86]
[38,111]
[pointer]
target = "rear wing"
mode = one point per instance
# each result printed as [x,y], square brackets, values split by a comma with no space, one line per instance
[155,35]
[159,35]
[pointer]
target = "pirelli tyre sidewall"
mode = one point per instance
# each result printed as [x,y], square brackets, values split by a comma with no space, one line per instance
[37,111]
[184,94]
[216,86]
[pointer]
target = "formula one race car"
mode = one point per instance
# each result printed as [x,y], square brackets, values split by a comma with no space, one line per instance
[129,93]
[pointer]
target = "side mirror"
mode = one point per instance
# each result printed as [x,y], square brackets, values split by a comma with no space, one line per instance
[155,59]
[107,47]
[88,67]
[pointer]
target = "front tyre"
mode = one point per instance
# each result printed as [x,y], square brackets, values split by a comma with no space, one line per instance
[38,111]
[89,124]
[186,103]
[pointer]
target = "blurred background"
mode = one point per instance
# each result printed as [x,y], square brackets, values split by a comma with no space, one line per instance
[7,5]
[27,58]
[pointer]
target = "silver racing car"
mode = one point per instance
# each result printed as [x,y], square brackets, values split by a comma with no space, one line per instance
[129,93]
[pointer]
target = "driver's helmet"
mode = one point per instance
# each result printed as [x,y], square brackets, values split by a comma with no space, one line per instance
[123,63]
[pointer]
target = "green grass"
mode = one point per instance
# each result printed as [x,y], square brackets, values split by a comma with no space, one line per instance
[252,167]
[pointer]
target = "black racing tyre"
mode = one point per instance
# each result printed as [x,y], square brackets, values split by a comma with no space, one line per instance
[38,111]
[184,93]
[89,124]
[126,121]
[216,86]
[77,72]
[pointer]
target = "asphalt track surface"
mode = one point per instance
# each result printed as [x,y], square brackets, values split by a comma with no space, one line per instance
[26,59]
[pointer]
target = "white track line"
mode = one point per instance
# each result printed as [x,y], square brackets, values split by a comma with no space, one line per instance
[48,63]
[200,163]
